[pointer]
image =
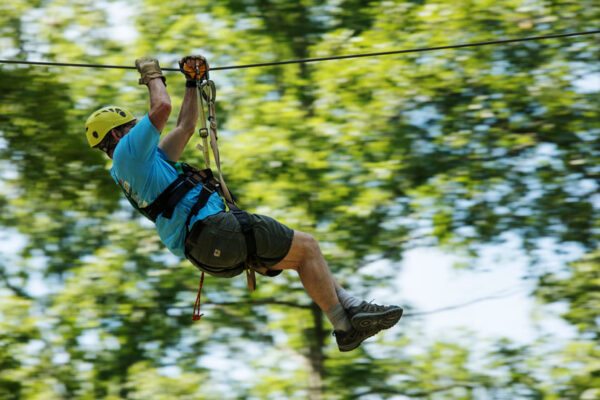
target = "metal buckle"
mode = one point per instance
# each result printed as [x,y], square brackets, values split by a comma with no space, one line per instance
[209,190]
[191,180]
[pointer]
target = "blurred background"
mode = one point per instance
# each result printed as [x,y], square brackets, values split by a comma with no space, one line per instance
[462,184]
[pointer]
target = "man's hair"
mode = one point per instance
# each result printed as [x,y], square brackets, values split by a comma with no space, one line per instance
[109,141]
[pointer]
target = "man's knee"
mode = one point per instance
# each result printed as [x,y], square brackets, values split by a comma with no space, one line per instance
[304,247]
[307,242]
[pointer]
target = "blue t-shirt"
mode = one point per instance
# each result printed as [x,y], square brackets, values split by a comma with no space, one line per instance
[141,168]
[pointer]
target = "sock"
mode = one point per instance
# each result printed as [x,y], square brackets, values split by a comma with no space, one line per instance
[338,318]
[347,299]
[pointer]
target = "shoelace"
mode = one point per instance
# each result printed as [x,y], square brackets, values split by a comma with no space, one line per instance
[196,315]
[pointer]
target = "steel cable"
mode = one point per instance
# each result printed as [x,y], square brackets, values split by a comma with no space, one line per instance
[318,59]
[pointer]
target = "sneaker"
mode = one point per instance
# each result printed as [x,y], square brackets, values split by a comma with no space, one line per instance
[349,340]
[369,317]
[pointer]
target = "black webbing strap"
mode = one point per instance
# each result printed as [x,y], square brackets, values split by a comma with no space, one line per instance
[207,190]
[248,232]
[210,185]
[166,202]
[179,193]
[154,209]
[252,260]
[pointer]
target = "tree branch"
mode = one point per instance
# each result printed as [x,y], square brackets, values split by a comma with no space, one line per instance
[269,301]
[409,393]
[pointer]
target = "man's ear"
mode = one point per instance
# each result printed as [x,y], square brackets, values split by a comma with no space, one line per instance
[116,134]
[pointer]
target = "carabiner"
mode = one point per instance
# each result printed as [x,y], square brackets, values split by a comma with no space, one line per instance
[210,94]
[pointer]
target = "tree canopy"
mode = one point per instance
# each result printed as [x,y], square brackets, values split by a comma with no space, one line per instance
[452,149]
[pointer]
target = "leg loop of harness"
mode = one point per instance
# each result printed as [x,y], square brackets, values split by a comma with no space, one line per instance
[251,258]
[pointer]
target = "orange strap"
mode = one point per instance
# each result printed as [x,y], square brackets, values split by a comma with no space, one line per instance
[196,315]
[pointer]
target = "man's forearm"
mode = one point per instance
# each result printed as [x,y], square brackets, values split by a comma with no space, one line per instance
[160,104]
[175,141]
[188,114]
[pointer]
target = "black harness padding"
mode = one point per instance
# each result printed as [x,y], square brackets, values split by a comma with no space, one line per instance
[210,186]
[252,258]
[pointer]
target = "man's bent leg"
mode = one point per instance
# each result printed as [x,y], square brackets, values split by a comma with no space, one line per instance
[367,319]
[306,258]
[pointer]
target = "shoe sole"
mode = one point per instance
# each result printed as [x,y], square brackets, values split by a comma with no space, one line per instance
[376,321]
[354,345]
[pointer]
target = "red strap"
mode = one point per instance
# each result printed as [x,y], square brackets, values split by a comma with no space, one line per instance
[196,316]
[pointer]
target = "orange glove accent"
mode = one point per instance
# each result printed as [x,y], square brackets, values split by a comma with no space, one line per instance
[188,66]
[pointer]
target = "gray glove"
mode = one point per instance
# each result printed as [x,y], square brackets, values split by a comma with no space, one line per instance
[149,69]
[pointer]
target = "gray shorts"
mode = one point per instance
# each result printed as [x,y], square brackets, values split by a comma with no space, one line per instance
[217,246]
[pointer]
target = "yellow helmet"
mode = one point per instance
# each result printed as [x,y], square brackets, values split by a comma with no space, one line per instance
[103,120]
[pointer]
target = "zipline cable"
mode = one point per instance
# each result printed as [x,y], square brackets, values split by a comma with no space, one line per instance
[308,60]
[422,49]
[500,295]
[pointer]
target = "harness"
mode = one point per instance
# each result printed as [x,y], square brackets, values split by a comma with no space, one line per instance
[190,177]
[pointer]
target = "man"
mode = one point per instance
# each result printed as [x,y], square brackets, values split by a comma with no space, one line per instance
[212,238]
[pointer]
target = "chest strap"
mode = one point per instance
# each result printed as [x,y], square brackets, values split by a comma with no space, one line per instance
[166,202]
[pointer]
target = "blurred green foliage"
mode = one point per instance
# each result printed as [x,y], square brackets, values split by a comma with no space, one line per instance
[373,156]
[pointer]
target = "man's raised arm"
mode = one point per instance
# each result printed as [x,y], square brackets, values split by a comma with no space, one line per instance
[160,102]
[176,140]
